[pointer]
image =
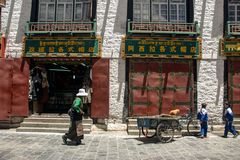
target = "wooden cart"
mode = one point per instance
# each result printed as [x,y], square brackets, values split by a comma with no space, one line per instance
[162,126]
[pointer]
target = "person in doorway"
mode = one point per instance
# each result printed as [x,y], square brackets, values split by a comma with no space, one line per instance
[75,132]
[228,115]
[203,118]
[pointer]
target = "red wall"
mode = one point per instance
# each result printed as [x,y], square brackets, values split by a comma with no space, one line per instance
[13,88]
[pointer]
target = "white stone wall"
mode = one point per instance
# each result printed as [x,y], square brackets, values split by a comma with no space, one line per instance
[5,16]
[210,73]
[111,25]
[14,49]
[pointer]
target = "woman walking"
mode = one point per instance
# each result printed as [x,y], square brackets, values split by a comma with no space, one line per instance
[75,131]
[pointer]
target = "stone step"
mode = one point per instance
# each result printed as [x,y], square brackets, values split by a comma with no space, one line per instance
[237,127]
[87,121]
[86,129]
[132,127]
[99,127]
[132,121]
[222,127]
[44,120]
[217,128]
[50,115]
[54,120]
[236,121]
[47,130]
[35,129]
[51,123]
[218,133]
[44,125]
[133,132]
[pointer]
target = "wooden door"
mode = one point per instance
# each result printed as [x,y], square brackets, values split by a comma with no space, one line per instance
[157,86]
[100,85]
[234,84]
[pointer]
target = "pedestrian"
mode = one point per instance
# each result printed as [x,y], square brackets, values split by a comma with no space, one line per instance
[75,131]
[203,118]
[228,115]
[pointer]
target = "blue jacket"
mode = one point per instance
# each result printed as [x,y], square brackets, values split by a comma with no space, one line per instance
[229,114]
[202,115]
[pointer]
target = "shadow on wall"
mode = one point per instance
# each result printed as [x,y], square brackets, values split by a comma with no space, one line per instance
[201,29]
[120,20]
[217,28]
[203,15]
[121,17]
[24,17]
[217,31]
[105,19]
[220,79]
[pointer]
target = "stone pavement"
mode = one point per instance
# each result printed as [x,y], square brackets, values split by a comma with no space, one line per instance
[115,146]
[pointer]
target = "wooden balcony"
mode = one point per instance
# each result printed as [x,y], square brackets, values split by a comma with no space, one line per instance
[2,3]
[60,28]
[163,28]
[233,29]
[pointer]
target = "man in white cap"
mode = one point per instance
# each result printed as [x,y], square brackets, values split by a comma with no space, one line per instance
[75,132]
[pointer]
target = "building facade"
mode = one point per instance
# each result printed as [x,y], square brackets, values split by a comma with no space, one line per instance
[135,57]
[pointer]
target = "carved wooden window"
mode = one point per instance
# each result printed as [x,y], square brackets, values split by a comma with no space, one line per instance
[64,10]
[178,10]
[82,10]
[46,10]
[234,10]
[159,10]
[141,10]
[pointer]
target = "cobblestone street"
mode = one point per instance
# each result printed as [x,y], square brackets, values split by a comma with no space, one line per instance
[106,146]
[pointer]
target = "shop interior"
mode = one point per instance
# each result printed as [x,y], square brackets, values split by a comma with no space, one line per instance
[53,86]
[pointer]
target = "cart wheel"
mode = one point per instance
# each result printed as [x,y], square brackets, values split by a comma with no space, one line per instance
[149,133]
[193,127]
[165,132]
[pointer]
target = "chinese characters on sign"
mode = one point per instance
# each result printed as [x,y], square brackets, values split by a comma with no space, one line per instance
[61,47]
[231,47]
[161,47]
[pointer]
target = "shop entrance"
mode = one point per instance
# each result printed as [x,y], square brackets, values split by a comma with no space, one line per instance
[157,86]
[54,85]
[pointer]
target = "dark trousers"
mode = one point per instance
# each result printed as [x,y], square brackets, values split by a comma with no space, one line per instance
[204,128]
[72,132]
[229,127]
